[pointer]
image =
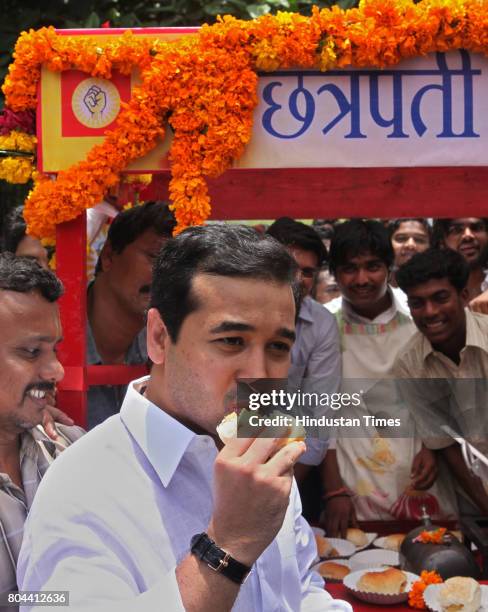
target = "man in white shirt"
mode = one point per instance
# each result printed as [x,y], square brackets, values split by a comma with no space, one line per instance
[115,521]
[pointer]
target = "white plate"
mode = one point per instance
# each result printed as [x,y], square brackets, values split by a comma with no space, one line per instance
[431,597]
[374,558]
[351,580]
[343,547]
[380,543]
[344,562]
[371,538]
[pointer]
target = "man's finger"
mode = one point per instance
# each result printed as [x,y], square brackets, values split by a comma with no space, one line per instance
[59,416]
[49,427]
[283,461]
[235,447]
[416,467]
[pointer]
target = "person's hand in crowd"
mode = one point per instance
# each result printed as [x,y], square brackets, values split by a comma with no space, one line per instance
[53,415]
[424,469]
[480,303]
[338,515]
[252,484]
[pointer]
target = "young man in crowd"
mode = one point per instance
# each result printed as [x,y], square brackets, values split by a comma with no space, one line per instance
[119,297]
[451,343]
[159,515]
[30,331]
[368,476]
[469,237]
[316,354]
[14,239]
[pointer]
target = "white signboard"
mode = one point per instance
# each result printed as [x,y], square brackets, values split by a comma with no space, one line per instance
[430,111]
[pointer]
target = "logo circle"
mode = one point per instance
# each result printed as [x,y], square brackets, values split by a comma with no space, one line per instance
[95,102]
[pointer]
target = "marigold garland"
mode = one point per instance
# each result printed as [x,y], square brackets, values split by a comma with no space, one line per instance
[435,536]
[205,87]
[416,594]
[17,169]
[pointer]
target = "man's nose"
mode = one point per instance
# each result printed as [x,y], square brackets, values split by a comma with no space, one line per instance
[362,276]
[468,233]
[255,366]
[430,309]
[410,242]
[52,369]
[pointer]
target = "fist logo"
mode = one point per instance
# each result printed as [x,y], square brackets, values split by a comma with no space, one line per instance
[95,100]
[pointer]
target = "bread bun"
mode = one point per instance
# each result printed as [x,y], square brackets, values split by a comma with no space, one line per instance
[394,541]
[227,430]
[325,548]
[460,594]
[356,536]
[332,570]
[390,582]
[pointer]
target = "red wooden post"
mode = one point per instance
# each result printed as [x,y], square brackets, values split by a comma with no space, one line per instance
[71,269]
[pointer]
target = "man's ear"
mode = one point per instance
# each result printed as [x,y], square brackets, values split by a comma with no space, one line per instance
[157,337]
[464,295]
[106,257]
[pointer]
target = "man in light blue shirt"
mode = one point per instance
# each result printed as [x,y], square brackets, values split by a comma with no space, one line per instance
[148,511]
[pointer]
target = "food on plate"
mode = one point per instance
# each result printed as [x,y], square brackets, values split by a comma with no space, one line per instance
[393,541]
[227,429]
[356,536]
[332,570]
[460,594]
[389,582]
[325,548]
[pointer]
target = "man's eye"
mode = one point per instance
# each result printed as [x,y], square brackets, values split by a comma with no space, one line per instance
[414,305]
[31,352]
[442,298]
[231,341]
[374,267]
[281,347]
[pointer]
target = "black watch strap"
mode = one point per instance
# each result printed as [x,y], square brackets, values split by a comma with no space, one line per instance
[217,559]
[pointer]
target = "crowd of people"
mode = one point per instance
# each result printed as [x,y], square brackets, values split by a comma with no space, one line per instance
[149,505]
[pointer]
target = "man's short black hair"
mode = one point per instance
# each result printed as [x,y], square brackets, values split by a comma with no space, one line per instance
[14,229]
[441,227]
[293,233]
[24,274]
[394,224]
[129,224]
[218,250]
[357,237]
[433,264]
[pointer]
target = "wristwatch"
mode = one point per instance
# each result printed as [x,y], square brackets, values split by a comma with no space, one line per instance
[217,559]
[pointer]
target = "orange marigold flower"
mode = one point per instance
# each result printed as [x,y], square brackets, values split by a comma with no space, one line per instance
[416,594]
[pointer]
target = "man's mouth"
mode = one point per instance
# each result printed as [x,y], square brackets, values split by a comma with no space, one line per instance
[434,326]
[37,394]
[363,291]
[469,249]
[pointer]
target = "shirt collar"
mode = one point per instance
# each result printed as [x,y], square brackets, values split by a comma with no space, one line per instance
[305,312]
[162,438]
[351,316]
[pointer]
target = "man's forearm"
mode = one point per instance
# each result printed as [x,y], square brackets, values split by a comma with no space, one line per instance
[202,589]
[471,484]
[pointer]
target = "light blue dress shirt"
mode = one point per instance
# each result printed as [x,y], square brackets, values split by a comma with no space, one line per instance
[115,514]
[316,366]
